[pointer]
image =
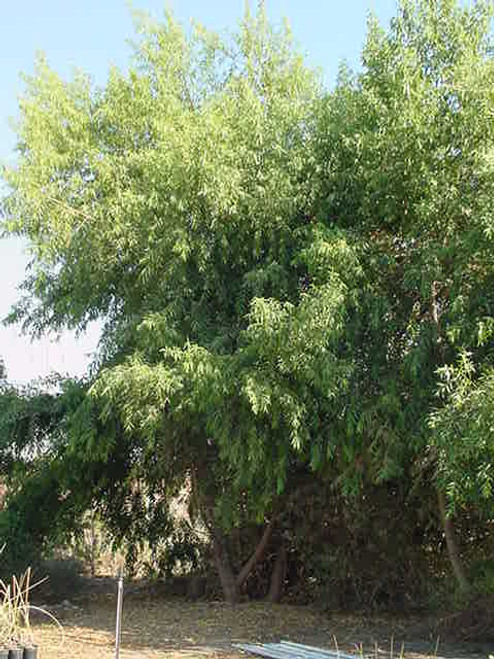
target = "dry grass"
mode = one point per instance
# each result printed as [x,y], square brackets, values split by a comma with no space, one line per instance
[177,629]
[173,627]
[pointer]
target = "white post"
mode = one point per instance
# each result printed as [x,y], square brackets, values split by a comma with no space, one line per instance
[118,631]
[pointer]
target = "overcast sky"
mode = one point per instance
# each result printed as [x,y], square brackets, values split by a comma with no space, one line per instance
[91,35]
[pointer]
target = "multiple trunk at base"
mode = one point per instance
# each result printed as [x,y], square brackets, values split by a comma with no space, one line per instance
[232,583]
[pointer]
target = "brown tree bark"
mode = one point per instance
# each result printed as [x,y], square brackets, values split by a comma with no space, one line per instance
[93,544]
[220,553]
[278,576]
[257,555]
[452,544]
[224,567]
[230,583]
[447,522]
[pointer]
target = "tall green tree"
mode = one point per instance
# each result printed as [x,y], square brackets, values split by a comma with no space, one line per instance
[281,271]
[172,203]
[407,173]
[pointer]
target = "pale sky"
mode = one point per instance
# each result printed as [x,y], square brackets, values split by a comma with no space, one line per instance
[91,35]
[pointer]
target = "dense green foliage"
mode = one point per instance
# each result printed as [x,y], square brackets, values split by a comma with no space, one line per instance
[293,282]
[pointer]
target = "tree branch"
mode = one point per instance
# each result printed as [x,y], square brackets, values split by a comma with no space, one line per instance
[258,553]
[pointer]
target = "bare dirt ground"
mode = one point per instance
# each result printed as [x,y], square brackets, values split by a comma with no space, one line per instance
[177,629]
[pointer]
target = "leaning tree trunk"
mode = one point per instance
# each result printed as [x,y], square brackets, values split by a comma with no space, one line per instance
[230,583]
[93,544]
[452,544]
[257,556]
[224,567]
[447,522]
[220,551]
[278,576]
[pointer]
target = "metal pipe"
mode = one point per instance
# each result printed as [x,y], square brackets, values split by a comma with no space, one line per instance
[118,630]
[309,650]
[288,650]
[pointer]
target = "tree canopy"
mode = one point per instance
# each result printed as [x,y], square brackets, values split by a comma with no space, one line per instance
[289,277]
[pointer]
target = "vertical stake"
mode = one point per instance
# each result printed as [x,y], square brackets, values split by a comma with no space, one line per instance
[118,630]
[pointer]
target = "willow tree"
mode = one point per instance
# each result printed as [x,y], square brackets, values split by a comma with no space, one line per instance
[407,174]
[173,203]
[281,272]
